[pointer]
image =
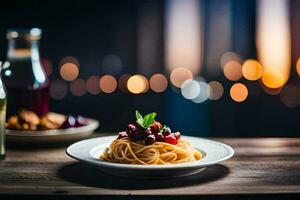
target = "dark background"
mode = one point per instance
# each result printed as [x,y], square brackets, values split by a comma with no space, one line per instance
[90,30]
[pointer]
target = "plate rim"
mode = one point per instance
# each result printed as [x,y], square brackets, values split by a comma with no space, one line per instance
[189,165]
[92,125]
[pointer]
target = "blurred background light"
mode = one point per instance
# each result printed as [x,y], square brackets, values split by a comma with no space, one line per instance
[69,71]
[122,83]
[108,84]
[180,75]
[233,70]
[78,87]
[274,41]
[273,78]
[58,89]
[216,90]
[146,82]
[92,85]
[290,95]
[298,66]
[183,35]
[238,92]
[158,83]
[229,56]
[190,89]
[252,70]
[112,64]
[203,94]
[136,84]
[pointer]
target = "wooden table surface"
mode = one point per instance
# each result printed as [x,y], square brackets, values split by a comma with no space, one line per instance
[265,166]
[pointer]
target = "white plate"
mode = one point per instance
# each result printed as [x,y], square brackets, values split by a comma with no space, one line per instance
[88,151]
[52,136]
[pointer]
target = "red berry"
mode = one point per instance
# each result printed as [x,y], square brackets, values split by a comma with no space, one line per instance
[147,132]
[167,131]
[171,139]
[155,127]
[177,135]
[159,137]
[150,139]
[122,135]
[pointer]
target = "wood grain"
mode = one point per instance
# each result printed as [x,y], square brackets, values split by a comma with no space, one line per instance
[260,166]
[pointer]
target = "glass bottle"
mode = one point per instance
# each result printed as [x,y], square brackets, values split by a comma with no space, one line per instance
[25,80]
[2,117]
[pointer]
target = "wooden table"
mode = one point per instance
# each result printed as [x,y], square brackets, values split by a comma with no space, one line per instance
[261,168]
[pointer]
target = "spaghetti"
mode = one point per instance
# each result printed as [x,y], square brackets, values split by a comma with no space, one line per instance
[159,153]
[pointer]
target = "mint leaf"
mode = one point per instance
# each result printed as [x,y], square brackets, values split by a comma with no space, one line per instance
[139,118]
[149,119]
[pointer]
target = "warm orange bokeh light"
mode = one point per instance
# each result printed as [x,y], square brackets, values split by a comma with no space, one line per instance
[136,84]
[146,83]
[273,79]
[216,90]
[179,75]
[108,84]
[298,66]
[238,92]
[158,83]
[233,70]
[252,70]
[69,71]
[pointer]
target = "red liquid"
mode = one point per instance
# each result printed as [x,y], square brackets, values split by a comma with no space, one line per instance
[27,87]
[34,100]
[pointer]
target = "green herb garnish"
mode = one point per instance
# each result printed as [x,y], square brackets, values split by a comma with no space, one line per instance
[146,121]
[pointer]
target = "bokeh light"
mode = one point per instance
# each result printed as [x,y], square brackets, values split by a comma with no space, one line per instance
[233,70]
[216,90]
[298,66]
[58,89]
[92,85]
[112,64]
[290,95]
[146,83]
[136,84]
[122,83]
[229,56]
[273,79]
[108,84]
[203,94]
[158,83]
[238,92]
[69,71]
[180,75]
[252,70]
[190,89]
[78,87]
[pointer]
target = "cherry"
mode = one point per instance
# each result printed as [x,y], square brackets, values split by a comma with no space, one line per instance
[155,127]
[69,122]
[122,135]
[177,135]
[150,139]
[130,129]
[159,137]
[80,121]
[171,139]
[147,132]
[167,131]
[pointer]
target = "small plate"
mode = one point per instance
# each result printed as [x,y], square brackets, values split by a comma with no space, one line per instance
[88,151]
[52,136]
